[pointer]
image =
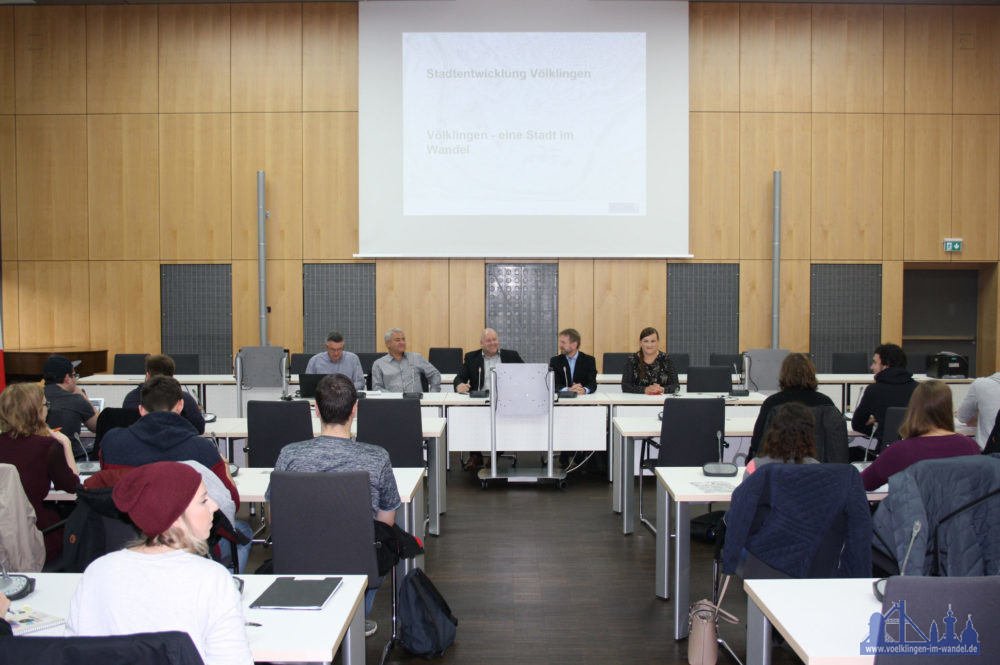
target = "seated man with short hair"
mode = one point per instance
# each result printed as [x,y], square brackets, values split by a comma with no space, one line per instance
[335,360]
[163,365]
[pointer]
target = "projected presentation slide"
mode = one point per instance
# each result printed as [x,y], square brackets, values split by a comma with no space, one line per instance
[524,123]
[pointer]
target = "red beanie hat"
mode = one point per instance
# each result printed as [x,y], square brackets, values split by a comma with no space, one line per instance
[155,495]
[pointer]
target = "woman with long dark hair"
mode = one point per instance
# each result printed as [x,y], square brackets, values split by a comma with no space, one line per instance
[649,370]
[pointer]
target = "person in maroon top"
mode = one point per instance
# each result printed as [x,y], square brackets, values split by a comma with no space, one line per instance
[928,433]
[42,457]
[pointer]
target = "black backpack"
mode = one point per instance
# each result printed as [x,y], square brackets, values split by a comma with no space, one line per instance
[426,625]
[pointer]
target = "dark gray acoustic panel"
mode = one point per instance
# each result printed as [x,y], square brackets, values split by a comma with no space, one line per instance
[703,309]
[196,310]
[845,313]
[339,296]
[522,304]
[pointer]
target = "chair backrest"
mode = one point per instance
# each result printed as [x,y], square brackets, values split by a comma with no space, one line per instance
[261,366]
[710,379]
[764,369]
[130,363]
[889,430]
[850,363]
[446,359]
[322,523]
[614,362]
[308,383]
[94,528]
[367,360]
[734,361]
[688,434]
[681,361]
[109,418]
[272,425]
[21,544]
[166,648]
[299,363]
[395,425]
[830,434]
[969,600]
[186,363]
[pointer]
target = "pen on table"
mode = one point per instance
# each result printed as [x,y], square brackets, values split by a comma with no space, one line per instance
[254,624]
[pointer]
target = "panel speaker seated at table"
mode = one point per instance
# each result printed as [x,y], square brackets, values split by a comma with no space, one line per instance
[709,379]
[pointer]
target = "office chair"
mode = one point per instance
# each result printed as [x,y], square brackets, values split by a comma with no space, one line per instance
[614,362]
[710,379]
[22,546]
[130,363]
[94,528]
[830,434]
[395,425]
[323,524]
[734,361]
[108,419]
[446,359]
[889,430]
[186,363]
[681,361]
[367,360]
[764,368]
[164,648]
[272,425]
[690,435]
[259,367]
[850,363]
[299,363]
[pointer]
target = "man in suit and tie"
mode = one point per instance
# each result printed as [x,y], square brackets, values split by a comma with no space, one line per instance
[475,374]
[575,371]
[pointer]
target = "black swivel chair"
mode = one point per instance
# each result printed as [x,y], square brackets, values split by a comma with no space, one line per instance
[186,363]
[166,648]
[832,443]
[734,361]
[367,360]
[395,425]
[682,361]
[888,432]
[446,359]
[710,379]
[614,362]
[109,418]
[271,425]
[850,363]
[299,363]
[130,363]
[690,435]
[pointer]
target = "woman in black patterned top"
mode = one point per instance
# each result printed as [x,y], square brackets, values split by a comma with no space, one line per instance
[649,370]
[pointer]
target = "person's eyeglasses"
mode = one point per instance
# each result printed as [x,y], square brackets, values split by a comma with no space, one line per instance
[75,375]
[47,405]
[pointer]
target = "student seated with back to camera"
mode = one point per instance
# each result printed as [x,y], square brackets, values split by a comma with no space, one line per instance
[790,439]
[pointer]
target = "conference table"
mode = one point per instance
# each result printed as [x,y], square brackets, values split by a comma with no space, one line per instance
[293,636]
[677,488]
[823,621]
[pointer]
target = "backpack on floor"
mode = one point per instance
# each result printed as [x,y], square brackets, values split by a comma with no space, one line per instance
[426,625]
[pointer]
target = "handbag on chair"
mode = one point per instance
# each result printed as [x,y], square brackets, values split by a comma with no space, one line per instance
[703,629]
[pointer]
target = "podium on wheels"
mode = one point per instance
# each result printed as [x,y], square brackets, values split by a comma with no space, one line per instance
[521,413]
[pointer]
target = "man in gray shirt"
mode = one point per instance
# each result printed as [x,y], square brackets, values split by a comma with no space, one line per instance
[337,361]
[399,371]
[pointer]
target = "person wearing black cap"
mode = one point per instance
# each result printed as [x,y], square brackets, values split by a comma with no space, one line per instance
[69,407]
[164,581]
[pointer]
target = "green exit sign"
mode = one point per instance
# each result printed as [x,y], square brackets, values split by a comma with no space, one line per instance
[953,244]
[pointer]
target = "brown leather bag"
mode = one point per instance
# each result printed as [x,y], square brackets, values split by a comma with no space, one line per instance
[703,629]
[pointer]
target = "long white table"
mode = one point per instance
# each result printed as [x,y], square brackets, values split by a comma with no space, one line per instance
[283,635]
[824,621]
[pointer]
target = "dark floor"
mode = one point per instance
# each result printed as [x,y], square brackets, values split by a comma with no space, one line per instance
[541,575]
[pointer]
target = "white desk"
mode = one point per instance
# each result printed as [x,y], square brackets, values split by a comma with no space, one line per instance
[676,489]
[284,635]
[114,387]
[824,621]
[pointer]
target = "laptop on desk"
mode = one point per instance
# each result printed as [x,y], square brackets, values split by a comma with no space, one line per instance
[308,383]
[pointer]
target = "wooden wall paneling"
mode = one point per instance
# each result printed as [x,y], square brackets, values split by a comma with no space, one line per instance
[893,183]
[125,306]
[267,57]
[794,312]
[7,93]
[988,324]
[892,301]
[976,44]
[928,59]
[576,301]
[329,185]
[714,56]
[284,297]
[11,290]
[975,186]
[269,142]
[893,59]
[195,188]
[8,188]
[755,304]
[774,57]
[50,55]
[54,303]
[51,187]
[927,188]
[121,59]
[123,186]
[846,186]
[628,296]
[466,302]
[409,296]
[715,184]
[330,56]
[847,58]
[194,58]
[774,142]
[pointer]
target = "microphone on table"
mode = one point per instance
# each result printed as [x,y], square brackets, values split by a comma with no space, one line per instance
[879,585]
[868,446]
[566,393]
[738,392]
[481,392]
[719,468]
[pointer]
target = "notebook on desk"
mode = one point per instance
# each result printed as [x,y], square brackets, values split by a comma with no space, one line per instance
[288,593]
